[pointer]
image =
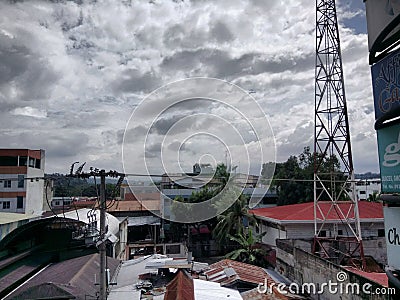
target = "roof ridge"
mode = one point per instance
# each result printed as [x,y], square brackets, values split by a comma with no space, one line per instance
[73,279]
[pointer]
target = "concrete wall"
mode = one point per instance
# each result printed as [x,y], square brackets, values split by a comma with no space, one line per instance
[123,239]
[272,233]
[376,247]
[302,267]
[34,192]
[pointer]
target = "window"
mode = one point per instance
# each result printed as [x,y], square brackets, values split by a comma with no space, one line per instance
[6,205]
[7,184]
[23,161]
[37,164]
[31,162]
[322,233]
[57,202]
[340,232]
[381,232]
[20,202]
[362,192]
[21,181]
[8,161]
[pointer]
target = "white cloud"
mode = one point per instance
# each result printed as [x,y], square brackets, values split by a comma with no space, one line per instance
[29,112]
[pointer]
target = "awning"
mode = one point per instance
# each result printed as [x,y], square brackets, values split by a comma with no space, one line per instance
[143,220]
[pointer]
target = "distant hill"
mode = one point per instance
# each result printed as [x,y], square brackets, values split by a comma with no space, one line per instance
[367,175]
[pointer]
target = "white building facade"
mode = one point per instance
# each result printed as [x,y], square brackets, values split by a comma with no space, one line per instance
[18,192]
[367,187]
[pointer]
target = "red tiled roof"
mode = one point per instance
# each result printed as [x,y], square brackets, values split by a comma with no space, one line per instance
[305,211]
[380,278]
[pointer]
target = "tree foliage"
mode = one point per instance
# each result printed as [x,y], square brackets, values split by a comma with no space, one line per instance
[247,251]
[231,222]
[76,187]
[293,179]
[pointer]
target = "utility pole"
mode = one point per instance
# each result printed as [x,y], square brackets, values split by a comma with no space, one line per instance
[102,246]
[103,228]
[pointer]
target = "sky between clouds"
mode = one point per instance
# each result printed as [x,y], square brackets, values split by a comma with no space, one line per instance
[72,72]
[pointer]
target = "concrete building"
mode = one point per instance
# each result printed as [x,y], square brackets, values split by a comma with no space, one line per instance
[296,222]
[367,187]
[18,193]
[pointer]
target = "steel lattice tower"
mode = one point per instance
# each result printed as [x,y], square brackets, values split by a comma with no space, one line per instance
[334,186]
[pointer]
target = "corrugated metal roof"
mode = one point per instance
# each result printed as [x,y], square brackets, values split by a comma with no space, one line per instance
[6,217]
[380,278]
[128,292]
[135,205]
[206,290]
[244,272]
[180,288]
[83,214]
[78,273]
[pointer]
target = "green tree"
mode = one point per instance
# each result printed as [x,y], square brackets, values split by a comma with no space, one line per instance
[247,251]
[231,222]
[293,179]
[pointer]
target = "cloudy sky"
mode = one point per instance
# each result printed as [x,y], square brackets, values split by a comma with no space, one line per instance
[72,73]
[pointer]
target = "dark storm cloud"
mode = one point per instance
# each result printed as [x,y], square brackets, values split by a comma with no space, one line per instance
[22,72]
[221,33]
[179,36]
[153,150]
[14,59]
[221,64]
[176,146]
[135,81]
[132,135]
[162,125]
[57,145]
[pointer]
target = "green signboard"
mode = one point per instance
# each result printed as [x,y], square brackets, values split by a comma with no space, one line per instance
[389,158]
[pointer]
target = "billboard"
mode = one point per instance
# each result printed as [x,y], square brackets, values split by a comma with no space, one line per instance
[386,85]
[389,158]
[392,232]
[380,15]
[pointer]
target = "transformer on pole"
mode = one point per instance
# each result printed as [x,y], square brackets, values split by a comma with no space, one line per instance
[336,217]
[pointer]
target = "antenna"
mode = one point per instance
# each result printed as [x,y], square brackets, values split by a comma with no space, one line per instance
[334,186]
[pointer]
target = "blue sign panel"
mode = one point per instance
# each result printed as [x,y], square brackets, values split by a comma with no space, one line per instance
[386,84]
[389,158]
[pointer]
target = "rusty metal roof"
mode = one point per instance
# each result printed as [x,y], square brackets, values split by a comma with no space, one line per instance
[180,288]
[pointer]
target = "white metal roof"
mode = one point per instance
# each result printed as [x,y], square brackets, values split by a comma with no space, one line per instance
[84,214]
[206,290]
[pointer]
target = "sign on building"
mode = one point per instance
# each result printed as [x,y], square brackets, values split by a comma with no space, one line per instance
[386,86]
[392,231]
[389,158]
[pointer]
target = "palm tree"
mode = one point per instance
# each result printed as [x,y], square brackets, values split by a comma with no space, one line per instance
[247,252]
[231,222]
